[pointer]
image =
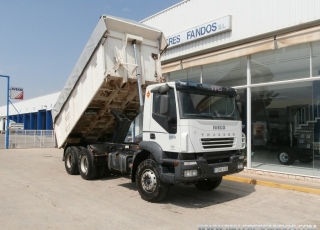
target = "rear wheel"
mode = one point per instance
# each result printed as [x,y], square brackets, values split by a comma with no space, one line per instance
[86,165]
[71,160]
[286,157]
[208,185]
[150,187]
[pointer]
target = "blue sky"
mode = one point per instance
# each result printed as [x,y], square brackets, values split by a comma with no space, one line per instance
[41,40]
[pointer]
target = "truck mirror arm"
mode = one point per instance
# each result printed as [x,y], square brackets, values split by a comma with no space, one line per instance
[239,107]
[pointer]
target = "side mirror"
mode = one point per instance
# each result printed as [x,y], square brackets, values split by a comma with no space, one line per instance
[164,104]
[238,104]
[164,89]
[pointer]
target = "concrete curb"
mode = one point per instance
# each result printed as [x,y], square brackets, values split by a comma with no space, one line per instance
[272,184]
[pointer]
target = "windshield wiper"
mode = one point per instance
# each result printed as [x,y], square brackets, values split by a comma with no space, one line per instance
[194,115]
[218,116]
[209,115]
[221,117]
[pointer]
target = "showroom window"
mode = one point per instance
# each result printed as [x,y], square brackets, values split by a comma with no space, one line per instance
[190,74]
[283,130]
[231,72]
[315,58]
[281,64]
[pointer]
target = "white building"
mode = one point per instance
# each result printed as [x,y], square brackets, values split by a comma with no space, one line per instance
[35,113]
[270,52]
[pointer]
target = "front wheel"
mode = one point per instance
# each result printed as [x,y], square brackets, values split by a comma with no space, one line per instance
[286,157]
[208,185]
[150,187]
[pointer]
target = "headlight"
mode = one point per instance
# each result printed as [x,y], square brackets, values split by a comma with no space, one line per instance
[190,173]
[240,165]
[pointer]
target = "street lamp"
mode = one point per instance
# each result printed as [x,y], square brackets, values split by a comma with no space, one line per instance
[7,127]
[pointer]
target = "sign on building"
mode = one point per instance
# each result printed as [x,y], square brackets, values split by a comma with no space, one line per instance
[16,126]
[208,29]
[16,93]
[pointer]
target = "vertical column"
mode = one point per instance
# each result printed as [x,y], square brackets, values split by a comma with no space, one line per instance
[39,120]
[310,61]
[19,118]
[32,121]
[248,112]
[25,121]
[48,120]
[43,114]
[28,121]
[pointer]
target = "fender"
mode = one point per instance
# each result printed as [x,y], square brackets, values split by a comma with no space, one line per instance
[154,148]
[147,150]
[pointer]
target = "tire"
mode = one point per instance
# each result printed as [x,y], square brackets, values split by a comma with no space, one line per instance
[148,182]
[87,169]
[71,160]
[286,157]
[306,160]
[208,185]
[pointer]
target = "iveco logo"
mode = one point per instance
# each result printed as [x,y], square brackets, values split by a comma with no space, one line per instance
[221,127]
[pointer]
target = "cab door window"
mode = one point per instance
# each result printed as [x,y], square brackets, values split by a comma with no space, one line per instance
[167,121]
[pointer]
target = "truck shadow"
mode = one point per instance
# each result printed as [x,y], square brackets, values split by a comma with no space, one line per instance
[188,196]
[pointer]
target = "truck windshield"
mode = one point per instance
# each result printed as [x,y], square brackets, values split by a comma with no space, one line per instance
[208,106]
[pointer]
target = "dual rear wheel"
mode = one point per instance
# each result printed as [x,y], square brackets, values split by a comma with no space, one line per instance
[71,160]
[79,160]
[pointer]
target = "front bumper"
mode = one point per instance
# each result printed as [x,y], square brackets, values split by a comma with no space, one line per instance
[204,170]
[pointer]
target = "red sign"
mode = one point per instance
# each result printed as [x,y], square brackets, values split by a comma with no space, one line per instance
[16,93]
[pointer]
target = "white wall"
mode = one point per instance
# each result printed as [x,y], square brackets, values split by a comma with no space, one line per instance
[250,19]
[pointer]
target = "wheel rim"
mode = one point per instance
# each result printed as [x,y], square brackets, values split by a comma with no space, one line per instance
[148,181]
[84,164]
[68,160]
[284,157]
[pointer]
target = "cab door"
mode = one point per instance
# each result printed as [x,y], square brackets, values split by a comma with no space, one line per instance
[164,127]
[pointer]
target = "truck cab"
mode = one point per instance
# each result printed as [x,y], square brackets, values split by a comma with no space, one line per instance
[184,117]
[192,131]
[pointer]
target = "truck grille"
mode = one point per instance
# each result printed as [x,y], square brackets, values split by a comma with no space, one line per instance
[214,143]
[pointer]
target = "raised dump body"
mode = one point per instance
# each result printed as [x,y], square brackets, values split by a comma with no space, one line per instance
[105,78]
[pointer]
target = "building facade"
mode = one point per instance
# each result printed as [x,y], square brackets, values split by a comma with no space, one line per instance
[270,52]
[34,114]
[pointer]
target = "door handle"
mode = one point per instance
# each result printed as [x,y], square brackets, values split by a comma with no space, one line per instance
[152,136]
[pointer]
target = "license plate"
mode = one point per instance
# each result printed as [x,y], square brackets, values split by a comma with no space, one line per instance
[220,169]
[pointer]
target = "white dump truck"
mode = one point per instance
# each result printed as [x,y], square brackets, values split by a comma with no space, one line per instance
[191,132]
